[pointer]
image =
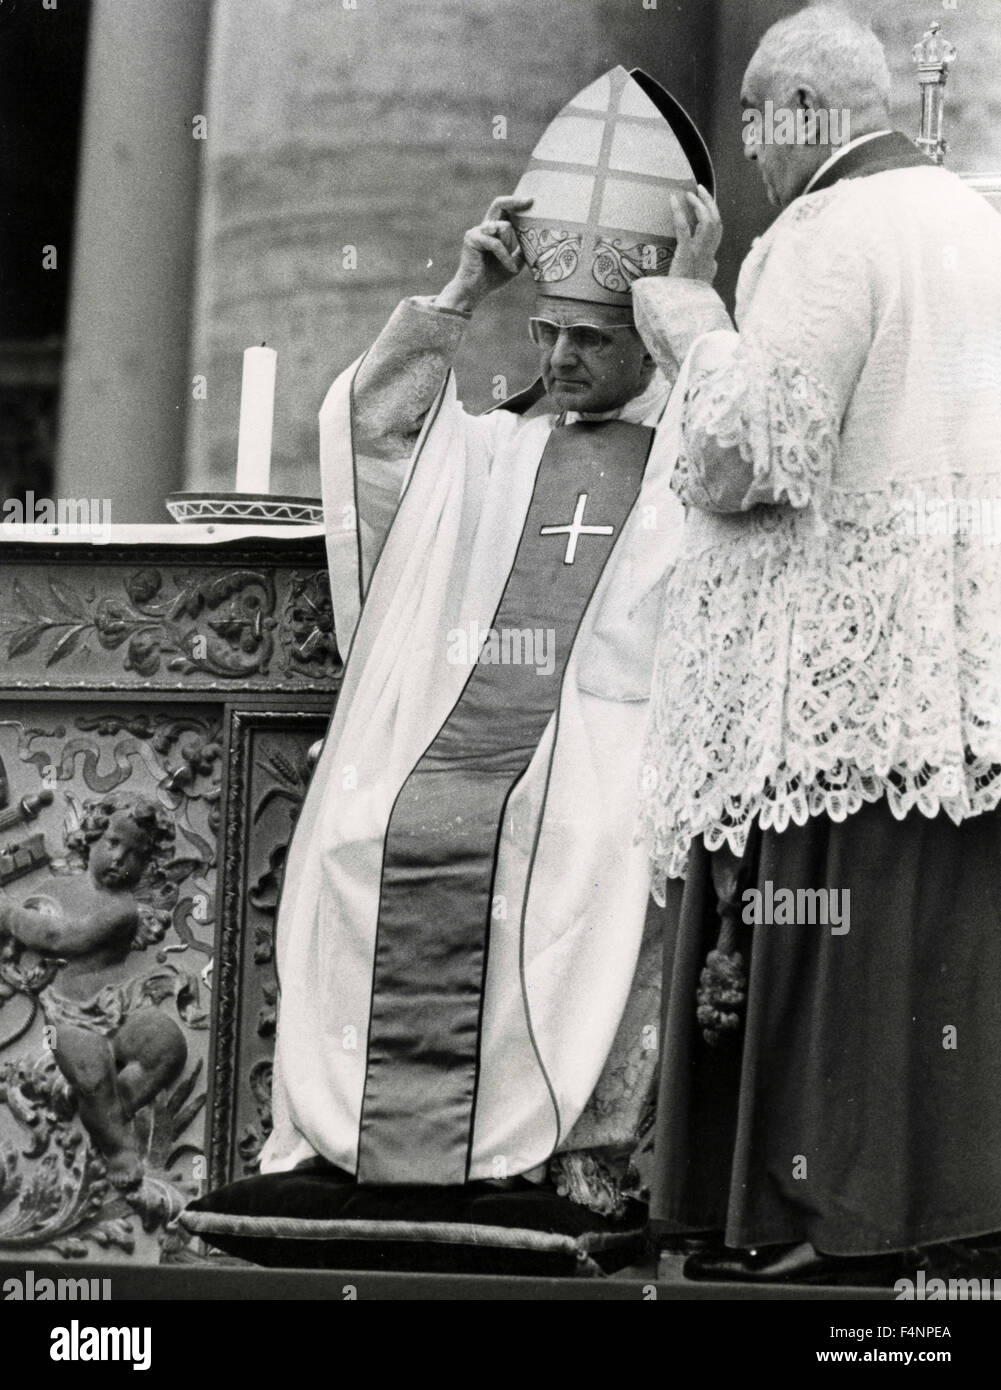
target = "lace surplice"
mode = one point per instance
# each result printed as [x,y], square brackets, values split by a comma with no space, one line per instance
[832,633]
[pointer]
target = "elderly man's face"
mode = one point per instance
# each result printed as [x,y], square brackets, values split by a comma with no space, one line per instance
[785,168]
[585,376]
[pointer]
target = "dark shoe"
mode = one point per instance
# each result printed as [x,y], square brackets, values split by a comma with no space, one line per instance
[792,1264]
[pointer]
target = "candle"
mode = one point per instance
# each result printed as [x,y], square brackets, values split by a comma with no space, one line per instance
[257,410]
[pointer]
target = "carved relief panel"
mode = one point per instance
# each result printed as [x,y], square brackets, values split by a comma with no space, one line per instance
[268,774]
[108,865]
[182,626]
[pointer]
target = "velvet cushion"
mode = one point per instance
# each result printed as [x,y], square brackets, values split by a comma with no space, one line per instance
[318,1217]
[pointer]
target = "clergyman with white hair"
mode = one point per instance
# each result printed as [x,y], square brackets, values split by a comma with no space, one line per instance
[824,753]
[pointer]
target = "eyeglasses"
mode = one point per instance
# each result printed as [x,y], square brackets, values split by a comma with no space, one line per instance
[583,337]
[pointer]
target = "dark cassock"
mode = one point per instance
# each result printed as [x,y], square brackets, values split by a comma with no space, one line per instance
[468,990]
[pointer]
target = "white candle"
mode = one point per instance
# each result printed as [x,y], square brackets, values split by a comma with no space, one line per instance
[257,411]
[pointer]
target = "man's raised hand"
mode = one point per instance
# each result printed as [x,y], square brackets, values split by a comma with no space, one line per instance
[695,255]
[490,257]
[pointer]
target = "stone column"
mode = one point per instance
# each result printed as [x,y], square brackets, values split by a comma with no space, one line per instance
[126,384]
[351,143]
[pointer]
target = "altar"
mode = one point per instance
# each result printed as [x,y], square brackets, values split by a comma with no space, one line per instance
[188,667]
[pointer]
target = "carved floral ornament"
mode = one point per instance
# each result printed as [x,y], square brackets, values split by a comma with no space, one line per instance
[308,626]
[222,624]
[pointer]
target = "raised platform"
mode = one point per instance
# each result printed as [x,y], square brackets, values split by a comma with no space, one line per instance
[232,1281]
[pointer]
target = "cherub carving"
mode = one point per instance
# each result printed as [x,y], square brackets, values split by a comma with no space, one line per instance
[115,1048]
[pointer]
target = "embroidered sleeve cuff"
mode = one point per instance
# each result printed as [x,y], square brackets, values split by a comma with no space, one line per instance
[402,374]
[422,312]
[428,304]
[757,430]
[721,481]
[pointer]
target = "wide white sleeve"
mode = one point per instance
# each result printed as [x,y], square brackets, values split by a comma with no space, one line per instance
[401,375]
[376,422]
[395,385]
[765,404]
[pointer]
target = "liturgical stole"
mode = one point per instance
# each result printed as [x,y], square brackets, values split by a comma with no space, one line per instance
[436,892]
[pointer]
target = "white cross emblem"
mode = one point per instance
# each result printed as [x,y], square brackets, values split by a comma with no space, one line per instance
[575,529]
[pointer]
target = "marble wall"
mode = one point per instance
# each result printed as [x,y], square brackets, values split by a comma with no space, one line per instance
[373,127]
[351,143]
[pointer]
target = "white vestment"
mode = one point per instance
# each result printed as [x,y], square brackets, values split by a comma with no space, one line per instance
[571,886]
[831,636]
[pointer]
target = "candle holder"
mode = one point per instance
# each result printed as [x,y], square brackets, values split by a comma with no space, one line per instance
[933,55]
[245,508]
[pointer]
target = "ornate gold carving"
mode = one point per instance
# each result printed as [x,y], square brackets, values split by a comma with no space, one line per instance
[103,1093]
[76,746]
[200,625]
[308,627]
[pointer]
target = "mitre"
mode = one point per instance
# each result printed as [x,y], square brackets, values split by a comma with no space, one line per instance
[602,177]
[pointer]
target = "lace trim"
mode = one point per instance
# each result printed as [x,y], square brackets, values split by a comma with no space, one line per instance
[802,673]
[786,427]
[590,1182]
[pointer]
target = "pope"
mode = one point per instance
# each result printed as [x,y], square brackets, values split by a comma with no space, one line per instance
[467,988]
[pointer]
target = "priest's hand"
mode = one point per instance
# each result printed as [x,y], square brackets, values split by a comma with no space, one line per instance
[490,257]
[695,256]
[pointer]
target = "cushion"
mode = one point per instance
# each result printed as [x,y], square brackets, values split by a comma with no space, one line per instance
[318,1217]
